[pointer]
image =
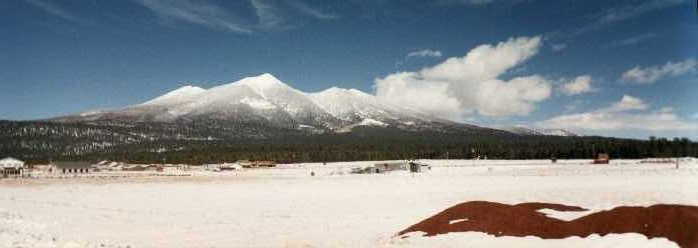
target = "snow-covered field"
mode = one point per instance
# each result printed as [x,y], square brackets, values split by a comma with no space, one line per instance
[286,207]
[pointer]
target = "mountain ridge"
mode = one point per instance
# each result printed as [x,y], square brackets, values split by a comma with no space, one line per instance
[267,101]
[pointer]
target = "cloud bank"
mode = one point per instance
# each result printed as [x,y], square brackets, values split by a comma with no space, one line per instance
[628,113]
[652,74]
[461,86]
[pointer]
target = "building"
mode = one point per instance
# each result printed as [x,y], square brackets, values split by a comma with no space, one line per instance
[71,167]
[387,167]
[410,166]
[602,158]
[11,167]
[222,167]
[256,164]
[265,163]
[416,167]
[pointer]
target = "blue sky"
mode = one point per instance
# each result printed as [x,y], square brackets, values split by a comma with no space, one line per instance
[618,68]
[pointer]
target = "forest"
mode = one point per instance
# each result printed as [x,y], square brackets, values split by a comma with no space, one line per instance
[41,142]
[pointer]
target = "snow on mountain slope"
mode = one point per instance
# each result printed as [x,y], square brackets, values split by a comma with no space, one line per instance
[556,132]
[266,98]
[293,101]
[182,94]
[259,97]
[523,130]
[352,105]
[372,122]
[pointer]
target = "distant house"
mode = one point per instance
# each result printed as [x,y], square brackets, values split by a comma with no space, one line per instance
[142,167]
[222,167]
[11,167]
[71,167]
[256,164]
[135,167]
[411,166]
[245,163]
[416,167]
[602,158]
[265,163]
[386,167]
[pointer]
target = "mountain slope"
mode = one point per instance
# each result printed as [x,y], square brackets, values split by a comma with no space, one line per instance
[265,100]
[522,130]
[353,105]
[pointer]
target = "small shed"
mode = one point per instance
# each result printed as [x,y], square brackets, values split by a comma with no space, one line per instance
[416,167]
[11,167]
[71,167]
[602,158]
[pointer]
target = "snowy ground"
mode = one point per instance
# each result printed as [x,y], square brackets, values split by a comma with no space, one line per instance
[286,207]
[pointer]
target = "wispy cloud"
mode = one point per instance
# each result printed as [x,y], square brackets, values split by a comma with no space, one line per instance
[630,11]
[425,53]
[199,13]
[649,75]
[312,11]
[267,14]
[632,40]
[56,10]
[558,47]
[625,12]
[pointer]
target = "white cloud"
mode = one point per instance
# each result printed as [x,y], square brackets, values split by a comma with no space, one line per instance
[425,53]
[651,74]
[579,85]
[56,10]
[625,104]
[622,115]
[408,89]
[463,85]
[199,12]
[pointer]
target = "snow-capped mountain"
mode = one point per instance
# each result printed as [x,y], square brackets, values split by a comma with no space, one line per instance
[266,99]
[522,130]
[354,105]
[176,96]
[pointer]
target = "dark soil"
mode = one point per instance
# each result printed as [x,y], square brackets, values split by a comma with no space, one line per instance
[677,223]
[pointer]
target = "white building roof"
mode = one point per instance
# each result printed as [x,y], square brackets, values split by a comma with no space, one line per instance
[10,162]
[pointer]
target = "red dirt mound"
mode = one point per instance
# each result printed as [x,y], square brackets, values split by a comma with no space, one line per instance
[677,223]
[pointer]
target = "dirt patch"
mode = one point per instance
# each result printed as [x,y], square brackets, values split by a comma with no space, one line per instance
[677,223]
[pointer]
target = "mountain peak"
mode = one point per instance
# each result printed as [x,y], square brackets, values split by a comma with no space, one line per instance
[262,79]
[337,91]
[268,76]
